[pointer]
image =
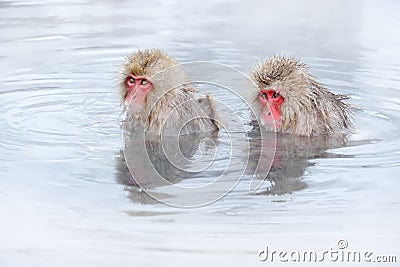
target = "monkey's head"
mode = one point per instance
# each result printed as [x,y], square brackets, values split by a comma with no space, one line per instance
[289,99]
[144,77]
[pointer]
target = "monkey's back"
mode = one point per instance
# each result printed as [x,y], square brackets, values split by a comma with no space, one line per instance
[179,112]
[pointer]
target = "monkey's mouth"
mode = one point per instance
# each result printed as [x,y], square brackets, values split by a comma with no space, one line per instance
[133,108]
[135,101]
[271,117]
[132,104]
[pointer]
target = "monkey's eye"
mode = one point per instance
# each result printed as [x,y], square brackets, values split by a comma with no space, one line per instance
[264,95]
[131,80]
[144,82]
[275,95]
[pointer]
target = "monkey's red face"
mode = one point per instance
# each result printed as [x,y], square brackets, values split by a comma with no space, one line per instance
[271,101]
[137,87]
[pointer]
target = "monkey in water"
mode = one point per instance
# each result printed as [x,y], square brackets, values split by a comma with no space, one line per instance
[156,95]
[289,100]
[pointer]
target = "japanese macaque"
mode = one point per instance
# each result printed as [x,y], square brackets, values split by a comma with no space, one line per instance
[290,100]
[155,94]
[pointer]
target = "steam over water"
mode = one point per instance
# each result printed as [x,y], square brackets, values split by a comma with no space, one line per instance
[66,196]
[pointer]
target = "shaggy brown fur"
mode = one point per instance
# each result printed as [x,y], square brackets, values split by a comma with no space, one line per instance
[170,104]
[308,107]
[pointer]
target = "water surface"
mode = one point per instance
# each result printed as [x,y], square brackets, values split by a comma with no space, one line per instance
[65,196]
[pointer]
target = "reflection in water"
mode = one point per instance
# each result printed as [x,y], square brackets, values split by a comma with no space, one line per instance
[173,158]
[291,159]
[289,162]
